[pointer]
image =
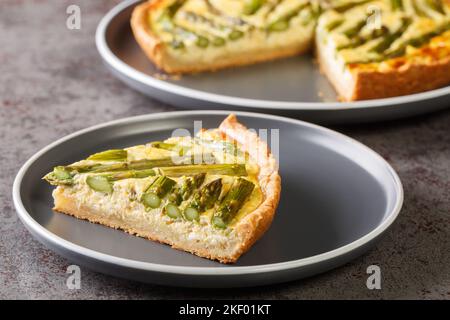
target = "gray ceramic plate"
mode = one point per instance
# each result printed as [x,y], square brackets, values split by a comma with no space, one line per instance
[338,197]
[291,87]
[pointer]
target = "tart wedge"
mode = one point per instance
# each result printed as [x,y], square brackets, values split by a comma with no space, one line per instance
[213,195]
[186,36]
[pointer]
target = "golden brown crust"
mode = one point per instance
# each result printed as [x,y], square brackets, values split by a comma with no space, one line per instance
[159,54]
[256,223]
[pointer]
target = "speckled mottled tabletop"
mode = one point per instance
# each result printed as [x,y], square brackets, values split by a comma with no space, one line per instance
[52,83]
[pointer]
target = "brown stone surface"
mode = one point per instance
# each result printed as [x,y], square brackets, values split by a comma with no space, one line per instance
[52,82]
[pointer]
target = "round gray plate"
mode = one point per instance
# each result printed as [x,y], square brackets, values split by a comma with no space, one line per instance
[291,86]
[338,197]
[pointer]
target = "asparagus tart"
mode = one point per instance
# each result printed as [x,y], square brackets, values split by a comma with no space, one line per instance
[367,48]
[213,194]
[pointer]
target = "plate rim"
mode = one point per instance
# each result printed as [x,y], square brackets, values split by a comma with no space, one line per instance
[43,233]
[110,58]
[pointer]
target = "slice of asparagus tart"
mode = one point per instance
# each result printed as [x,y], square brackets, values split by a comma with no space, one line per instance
[213,194]
[189,36]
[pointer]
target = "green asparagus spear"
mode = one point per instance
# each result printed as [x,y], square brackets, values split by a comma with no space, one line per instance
[222,146]
[164,145]
[182,150]
[61,173]
[235,35]
[354,43]
[184,190]
[391,37]
[197,181]
[166,21]
[232,203]
[341,8]
[272,5]
[156,191]
[134,165]
[175,196]
[282,23]
[360,40]
[188,170]
[173,8]
[59,176]
[317,8]
[251,6]
[202,42]
[354,30]
[334,24]
[120,166]
[191,214]
[418,9]
[218,41]
[203,199]
[385,43]
[172,211]
[416,42]
[110,155]
[130,174]
[279,25]
[103,182]
[177,44]
[309,16]
[140,169]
